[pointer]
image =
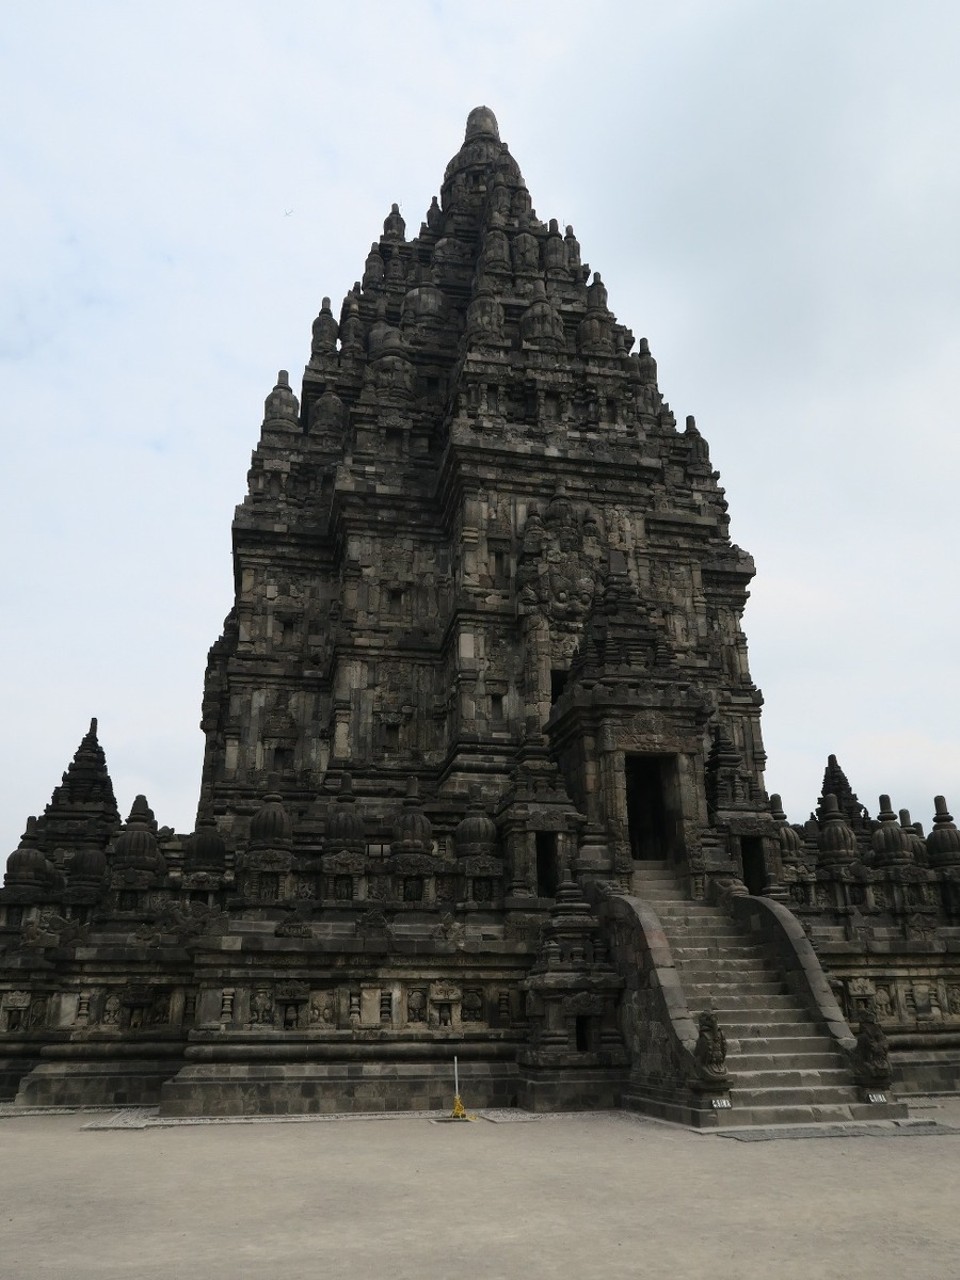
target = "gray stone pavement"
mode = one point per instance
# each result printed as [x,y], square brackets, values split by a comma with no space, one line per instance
[604,1196]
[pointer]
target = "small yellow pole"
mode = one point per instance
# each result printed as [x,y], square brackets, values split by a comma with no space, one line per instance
[459,1112]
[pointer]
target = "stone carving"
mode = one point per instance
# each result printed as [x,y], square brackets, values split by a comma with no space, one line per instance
[351,329]
[451,932]
[416,1005]
[424,314]
[541,325]
[919,926]
[444,1004]
[710,1051]
[557,572]
[374,270]
[392,375]
[261,1007]
[160,1010]
[147,934]
[522,207]
[323,1009]
[294,927]
[325,332]
[871,1058]
[396,275]
[583,1004]
[373,923]
[573,250]
[472,1010]
[485,318]
[329,414]
[526,254]
[555,252]
[923,1001]
[496,252]
[394,227]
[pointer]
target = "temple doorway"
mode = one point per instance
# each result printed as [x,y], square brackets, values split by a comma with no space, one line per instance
[548,870]
[652,807]
[754,869]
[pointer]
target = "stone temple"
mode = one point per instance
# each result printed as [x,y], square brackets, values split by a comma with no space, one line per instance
[483,772]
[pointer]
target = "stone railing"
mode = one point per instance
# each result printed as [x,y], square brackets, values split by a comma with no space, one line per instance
[783,935]
[661,1035]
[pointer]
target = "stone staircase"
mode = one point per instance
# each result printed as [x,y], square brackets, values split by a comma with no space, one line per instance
[784,1065]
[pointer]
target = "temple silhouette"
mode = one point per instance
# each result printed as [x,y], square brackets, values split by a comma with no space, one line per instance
[483,773]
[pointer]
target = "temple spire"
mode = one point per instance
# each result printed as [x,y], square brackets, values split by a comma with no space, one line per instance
[82,812]
[835,783]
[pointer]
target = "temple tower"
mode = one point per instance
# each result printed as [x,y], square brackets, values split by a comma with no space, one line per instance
[479,473]
[483,771]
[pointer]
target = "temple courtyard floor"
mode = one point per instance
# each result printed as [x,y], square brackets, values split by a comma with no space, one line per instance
[604,1195]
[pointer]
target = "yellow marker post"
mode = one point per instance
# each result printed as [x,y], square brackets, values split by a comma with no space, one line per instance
[459,1111]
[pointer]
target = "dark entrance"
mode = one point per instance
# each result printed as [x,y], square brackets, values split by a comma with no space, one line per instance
[558,682]
[652,806]
[548,876]
[754,869]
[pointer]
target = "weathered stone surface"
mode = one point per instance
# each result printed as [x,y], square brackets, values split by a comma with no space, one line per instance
[485,647]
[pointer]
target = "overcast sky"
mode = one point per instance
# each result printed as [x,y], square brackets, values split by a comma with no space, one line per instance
[770,190]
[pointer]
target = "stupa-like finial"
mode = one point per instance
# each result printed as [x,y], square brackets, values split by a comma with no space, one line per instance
[481,123]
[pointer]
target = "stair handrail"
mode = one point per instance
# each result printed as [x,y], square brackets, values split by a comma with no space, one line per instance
[802,970]
[662,1038]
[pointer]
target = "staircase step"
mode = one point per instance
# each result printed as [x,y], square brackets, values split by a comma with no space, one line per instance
[784,1066]
[744,1006]
[733,980]
[788,1047]
[706,951]
[683,906]
[729,968]
[727,977]
[744,1002]
[754,1060]
[712,937]
[762,1116]
[889,1110]
[695,919]
[800,1027]
[752,1011]
[732,997]
[798,1095]
[789,1076]
[693,926]
[683,912]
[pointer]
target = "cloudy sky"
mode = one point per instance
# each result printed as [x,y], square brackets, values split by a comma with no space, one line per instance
[770,190]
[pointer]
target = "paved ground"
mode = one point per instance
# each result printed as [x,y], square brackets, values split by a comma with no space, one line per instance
[605,1196]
